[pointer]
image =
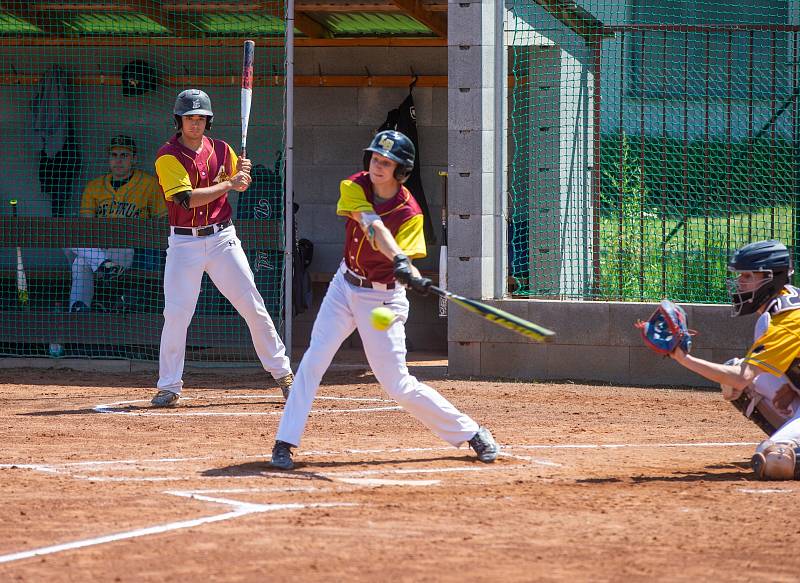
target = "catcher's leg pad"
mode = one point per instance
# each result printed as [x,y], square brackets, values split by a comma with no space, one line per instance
[776,461]
[745,404]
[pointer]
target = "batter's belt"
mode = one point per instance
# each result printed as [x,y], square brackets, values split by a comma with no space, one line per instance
[353,279]
[202,231]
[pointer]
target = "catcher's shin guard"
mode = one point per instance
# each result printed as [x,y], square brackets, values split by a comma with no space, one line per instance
[744,405]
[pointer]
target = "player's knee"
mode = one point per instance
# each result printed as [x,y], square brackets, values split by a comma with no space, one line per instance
[402,389]
[176,315]
[776,461]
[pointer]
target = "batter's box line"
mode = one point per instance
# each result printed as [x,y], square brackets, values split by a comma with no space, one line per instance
[240,509]
[114,408]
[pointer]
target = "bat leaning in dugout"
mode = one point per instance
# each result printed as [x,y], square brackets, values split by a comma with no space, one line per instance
[764,383]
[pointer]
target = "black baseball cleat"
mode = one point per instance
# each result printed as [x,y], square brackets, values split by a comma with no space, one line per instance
[282,456]
[484,445]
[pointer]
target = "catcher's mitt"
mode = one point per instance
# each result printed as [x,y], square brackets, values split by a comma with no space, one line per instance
[666,329]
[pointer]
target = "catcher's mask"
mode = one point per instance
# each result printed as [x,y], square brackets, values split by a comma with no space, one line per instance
[769,257]
[193,102]
[397,147]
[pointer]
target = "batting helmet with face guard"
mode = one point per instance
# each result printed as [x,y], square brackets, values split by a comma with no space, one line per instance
[770,257]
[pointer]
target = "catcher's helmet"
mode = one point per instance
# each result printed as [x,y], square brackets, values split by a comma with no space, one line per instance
[397,147]
[771,257]
[193,102]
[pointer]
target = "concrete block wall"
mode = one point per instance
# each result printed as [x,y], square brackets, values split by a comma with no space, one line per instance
[595,341]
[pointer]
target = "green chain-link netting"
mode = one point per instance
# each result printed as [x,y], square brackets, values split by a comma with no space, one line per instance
[74,79]
[648,141]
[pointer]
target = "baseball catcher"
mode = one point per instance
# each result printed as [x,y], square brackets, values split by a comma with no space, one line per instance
[763,384]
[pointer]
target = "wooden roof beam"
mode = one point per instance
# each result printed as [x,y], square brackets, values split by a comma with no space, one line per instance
[48,25]
[417,10]
[155,11]
[310,27]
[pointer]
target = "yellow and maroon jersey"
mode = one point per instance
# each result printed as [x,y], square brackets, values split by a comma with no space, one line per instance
[778,348]
[402,216]
[139,197]
[180,169]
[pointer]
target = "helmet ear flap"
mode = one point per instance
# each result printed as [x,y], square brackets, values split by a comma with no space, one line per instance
[401,173]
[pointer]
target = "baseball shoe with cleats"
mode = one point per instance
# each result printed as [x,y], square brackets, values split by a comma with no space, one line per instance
[282,456]
[165,399]
[285,383]
[79,307]
[484,445]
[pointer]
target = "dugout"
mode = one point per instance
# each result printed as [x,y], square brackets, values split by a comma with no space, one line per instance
[103,69]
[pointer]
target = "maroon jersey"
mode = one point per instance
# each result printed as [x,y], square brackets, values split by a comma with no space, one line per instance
[402,216]
[180,169]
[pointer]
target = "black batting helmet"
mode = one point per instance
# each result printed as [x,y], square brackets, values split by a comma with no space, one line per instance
[770,257]
[193,102]
[397,147]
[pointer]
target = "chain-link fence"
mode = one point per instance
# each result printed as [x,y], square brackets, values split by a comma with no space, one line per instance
[648,140]
[88,93]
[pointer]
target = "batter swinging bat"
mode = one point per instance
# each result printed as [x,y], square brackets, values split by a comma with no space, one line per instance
[443,248]
[22,279]
[498,316]
[247,89]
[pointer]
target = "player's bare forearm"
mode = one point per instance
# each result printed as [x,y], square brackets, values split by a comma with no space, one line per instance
[737,376]
[383,240]
[203,196]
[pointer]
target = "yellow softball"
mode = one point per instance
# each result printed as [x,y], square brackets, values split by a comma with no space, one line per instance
[381,318]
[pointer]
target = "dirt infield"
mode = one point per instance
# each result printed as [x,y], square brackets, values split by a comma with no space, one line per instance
[595,483]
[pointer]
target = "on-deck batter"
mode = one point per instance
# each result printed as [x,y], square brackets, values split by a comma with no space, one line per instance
[196,173]
[383,230]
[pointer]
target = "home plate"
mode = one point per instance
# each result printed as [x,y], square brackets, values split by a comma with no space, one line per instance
[382,482]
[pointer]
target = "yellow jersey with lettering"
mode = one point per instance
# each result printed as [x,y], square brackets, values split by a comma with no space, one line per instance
[139,197]
[777,349]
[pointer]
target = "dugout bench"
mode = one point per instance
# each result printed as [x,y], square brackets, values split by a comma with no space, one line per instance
[221,332]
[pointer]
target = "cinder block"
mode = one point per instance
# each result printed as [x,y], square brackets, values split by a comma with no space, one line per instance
[648,368]
[375,102]
[514,360]
[465,150]
[470,235]
[575,323]
[602,363]
[471,66]
[467,193]
[464,326]
[432,146]
[469,23]
[464,359]
[313,105]
[466,109]
[335,144]
[623,315]
[303,146]
[716,328]
[472,277]
[439,106]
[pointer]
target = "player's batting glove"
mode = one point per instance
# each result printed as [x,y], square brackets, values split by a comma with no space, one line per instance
[402,269]
[421,285]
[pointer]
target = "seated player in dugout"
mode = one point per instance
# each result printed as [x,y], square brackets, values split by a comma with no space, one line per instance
[196,173]
[765,384]
[383,233]
[125,192]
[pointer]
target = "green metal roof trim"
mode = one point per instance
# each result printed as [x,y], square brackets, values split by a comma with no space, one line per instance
[12,25]
[114,23]
[370,24]
[253,24]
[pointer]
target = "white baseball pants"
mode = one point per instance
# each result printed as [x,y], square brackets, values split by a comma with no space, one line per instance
[85,262]
[344,309]
[222,257]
